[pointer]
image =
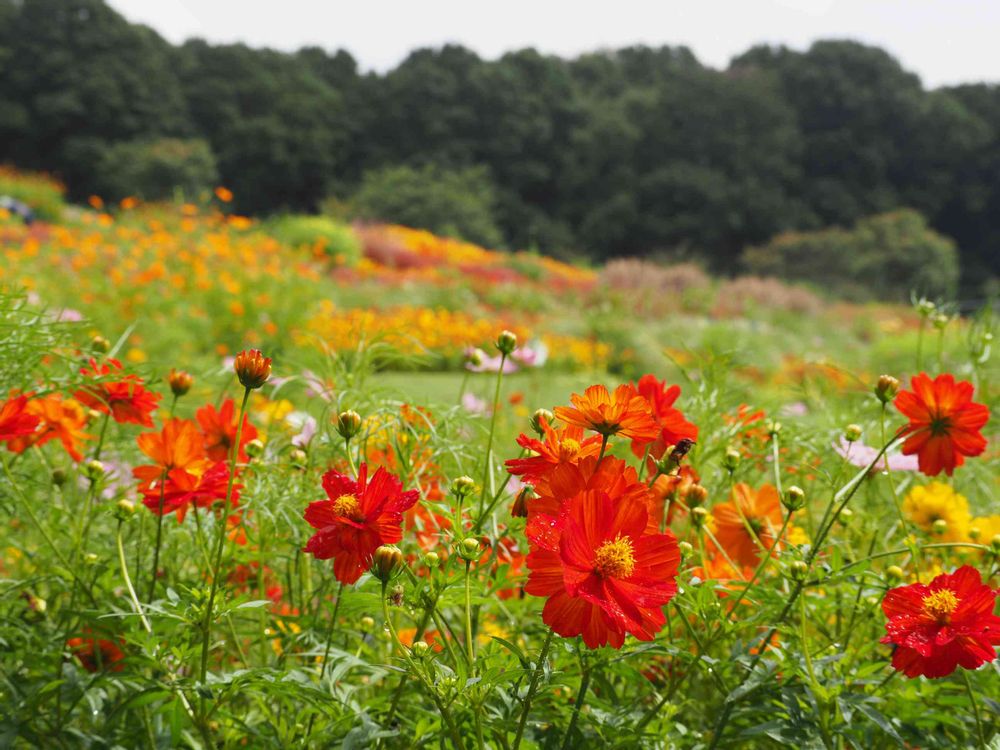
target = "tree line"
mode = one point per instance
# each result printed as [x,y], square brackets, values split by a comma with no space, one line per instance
[635,151]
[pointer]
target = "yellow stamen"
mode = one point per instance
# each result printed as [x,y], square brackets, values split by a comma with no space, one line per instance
[347,505]
[615,559]
[568,449]
[940,604]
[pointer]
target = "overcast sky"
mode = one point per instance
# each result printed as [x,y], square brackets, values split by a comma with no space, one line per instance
[944,41]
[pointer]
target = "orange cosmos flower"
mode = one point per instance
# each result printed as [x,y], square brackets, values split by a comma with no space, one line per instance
[561,447]
[219,431]
[603,574]
[669,493]
[252,368]
[178,445]
[946,624]
[126,400]
[624,412]
[673,426]
[944,423]
[762,510]
[16,420]
[224,194]
[59,418]
[357,519]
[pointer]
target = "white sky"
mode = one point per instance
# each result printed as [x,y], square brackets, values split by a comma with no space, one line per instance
[943,41]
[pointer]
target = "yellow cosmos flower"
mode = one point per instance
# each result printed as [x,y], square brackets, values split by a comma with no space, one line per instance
[939,502]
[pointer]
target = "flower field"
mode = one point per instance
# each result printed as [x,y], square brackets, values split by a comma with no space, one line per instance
[400,491]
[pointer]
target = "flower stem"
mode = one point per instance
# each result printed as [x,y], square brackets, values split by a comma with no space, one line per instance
[489,442]
[220,539]
[469,642]
[577,705]
[532,686]
[975,709]
[159,538]
[330,629]
[128,581]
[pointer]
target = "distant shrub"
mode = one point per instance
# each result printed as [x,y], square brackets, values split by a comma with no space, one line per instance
[43,193]
[653,289]
[320,233]
[747,294]
[887,257]
[158,170]
[454,203]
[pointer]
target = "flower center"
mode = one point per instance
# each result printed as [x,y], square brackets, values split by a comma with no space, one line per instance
[615,559]
[940,604]
[568,449]
[347,505]
[940,425]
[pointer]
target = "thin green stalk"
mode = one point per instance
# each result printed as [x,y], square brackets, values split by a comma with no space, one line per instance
[159,537]
[128,581]
[888,474]
[584,684]
[765,559]
[330,629]
[415,668]
[532,687]
[469,643]
[489,442]
[220,540]
[821,718]
[975,709]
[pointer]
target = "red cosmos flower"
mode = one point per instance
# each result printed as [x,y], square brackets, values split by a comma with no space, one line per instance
[183,490]
[359,517]
[673,425]
[126,400]
[219,430]
[623,412]
[561,447]
[15,420]
[605,577]
[97,654]
[947,624]
[944,423]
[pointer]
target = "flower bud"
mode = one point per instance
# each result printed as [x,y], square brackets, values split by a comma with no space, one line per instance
[773,428]
[852,433]
[995,545]
[698,517]
[886,388]
[894,573]
[794,499]
[298,458]
[469,548]
[475,357]
[100,344]
[845,516]
[463,486]
[974,533]
[798,570]
[387,561]
[93,470]
[940,321]
[420,649]
[58,477]
[731,460]
[254,448]
[685,548]
[90,559]
[925,307]
[538,417]
[252,368]
[432,560]
[520,507]
[696,495]
[180,382]
[124,509]
[396,596]
[506,342]
[367,624]
[940,527]
[348,424]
